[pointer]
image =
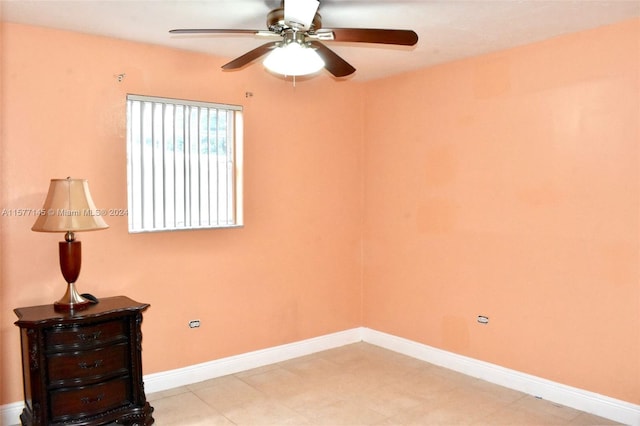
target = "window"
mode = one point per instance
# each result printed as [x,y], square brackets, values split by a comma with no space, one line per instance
[184,164]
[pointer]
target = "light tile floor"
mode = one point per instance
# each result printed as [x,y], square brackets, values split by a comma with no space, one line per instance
[358,384]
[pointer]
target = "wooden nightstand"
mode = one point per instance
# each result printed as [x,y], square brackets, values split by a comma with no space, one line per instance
[85,367]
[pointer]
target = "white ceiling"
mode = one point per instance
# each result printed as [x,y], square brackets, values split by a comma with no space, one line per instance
[447,29]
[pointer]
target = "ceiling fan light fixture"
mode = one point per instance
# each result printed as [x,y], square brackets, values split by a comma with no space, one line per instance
[293,59]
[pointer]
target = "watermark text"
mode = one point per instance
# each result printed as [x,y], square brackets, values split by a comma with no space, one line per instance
[21,212]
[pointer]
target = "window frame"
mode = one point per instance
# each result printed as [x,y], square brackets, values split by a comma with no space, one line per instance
[141,198]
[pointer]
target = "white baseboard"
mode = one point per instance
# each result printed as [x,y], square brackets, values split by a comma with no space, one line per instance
[590,402]
[10,413]
[600,405]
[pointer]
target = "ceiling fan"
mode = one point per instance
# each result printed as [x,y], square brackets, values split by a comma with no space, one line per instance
[297,24]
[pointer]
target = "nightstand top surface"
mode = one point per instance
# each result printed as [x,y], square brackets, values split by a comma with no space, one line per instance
[45,314]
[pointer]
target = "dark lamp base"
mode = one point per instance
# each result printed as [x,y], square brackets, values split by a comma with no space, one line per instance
[70,260]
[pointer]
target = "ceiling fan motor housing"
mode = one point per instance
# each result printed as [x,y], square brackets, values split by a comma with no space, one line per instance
[292,36]
[277,23]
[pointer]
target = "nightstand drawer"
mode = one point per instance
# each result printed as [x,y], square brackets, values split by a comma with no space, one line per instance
[73,368]
[85,401]
[67,337]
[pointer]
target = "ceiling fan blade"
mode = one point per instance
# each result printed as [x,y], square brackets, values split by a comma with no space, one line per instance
[332,62]
[369,35]
[213,31]
[250,56]
[299,14]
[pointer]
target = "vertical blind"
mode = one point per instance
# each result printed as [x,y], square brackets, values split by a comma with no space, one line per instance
[183,164]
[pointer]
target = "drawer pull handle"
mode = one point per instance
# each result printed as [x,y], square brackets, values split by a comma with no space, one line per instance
[86,366]
[89,336]
[86,400]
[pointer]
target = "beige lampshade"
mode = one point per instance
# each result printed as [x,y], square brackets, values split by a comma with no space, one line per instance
[69,207]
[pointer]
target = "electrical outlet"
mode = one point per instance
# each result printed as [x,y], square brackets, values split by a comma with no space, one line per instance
[194,323]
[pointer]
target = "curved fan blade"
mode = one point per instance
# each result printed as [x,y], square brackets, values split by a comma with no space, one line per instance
[248,57]
[369,35]
[332,62]
[212,31]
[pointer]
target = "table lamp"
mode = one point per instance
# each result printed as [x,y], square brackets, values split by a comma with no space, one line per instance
[69,208]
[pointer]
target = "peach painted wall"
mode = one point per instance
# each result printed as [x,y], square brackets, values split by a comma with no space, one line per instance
[293,272]
[505,185]
[508,186]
